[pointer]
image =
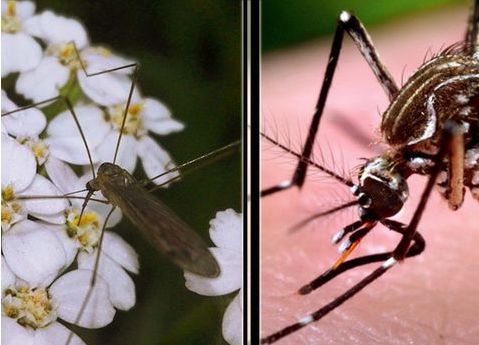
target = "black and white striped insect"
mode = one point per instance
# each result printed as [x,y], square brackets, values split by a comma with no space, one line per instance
[431,129]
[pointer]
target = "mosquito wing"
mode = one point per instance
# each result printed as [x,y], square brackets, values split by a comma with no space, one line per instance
[168,233]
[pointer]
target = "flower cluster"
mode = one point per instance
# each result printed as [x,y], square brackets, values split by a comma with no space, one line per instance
[48,250]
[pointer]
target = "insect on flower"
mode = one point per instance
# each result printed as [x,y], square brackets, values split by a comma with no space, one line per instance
[415,126]
[76,136]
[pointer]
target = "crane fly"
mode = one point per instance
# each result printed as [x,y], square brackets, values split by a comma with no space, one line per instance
[430,128]
[169,234]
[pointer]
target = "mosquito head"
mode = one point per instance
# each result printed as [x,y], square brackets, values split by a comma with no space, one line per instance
[382,189]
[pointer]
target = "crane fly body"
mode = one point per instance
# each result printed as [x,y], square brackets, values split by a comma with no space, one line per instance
[168,233]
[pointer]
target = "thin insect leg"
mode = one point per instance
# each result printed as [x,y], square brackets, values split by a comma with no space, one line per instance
[93,276]
[200,161]
[66,196]
[77,53]
[320,313]
[472,33]
[125,114]
[416,249]
[69,105]
[352,25]
[455,188]
[449,132]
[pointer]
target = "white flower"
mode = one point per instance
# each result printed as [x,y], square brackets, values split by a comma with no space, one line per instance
[117,256]
[30,122]
[30,311]
[62,35]
[226,232]
[19,178]
[102,129]
[20,52]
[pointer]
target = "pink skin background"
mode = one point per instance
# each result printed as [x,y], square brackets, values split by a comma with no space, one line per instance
[430,299]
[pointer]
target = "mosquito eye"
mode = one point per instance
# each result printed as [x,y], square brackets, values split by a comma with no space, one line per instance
[364,200]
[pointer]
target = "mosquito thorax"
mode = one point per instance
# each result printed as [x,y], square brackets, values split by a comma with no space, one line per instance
[446,87]
[382,189]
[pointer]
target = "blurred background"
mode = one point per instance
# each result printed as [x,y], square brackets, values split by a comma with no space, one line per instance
[309,19]
[190,56]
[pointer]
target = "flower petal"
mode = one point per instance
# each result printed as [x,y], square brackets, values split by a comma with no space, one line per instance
[70,149]
[233,322]
[56,334]
[14,334]
[155,160]
[91,122]
[120,251]
[8,277]
[100,59]
[19,164]
[105,89]
[33,253]
[20,53]
[120,285]
[127,153]
[42,186]
[44,81]
[70,246]
[30,122]
[226,230]
[62,176]
[23,9]
[69,293]
[56,29]
[157,118]
[229,280]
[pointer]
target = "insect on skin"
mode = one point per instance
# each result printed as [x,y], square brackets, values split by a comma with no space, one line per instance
[379,198]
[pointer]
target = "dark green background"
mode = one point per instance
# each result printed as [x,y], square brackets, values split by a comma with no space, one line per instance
[286,22]
[190,53]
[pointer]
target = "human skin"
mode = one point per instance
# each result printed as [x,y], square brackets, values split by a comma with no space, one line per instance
[430,299]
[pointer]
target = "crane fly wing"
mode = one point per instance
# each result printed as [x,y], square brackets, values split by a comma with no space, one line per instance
[169,234]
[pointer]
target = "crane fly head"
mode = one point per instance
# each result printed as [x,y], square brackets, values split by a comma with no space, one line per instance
[109,174]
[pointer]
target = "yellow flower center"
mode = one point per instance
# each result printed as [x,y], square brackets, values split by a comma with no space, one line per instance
[86,231]
[66,54]
[133,122]
[30,307]
[11,208]
[10,21]
[38,147]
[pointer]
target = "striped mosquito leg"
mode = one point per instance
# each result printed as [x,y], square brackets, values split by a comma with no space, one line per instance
[416,249]
[320,313]
[352,25]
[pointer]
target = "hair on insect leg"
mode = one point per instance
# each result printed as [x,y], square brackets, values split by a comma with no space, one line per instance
[401,251]
[351,24]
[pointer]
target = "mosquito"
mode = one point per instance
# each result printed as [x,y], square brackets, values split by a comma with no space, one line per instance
[167,232]
[431,128]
